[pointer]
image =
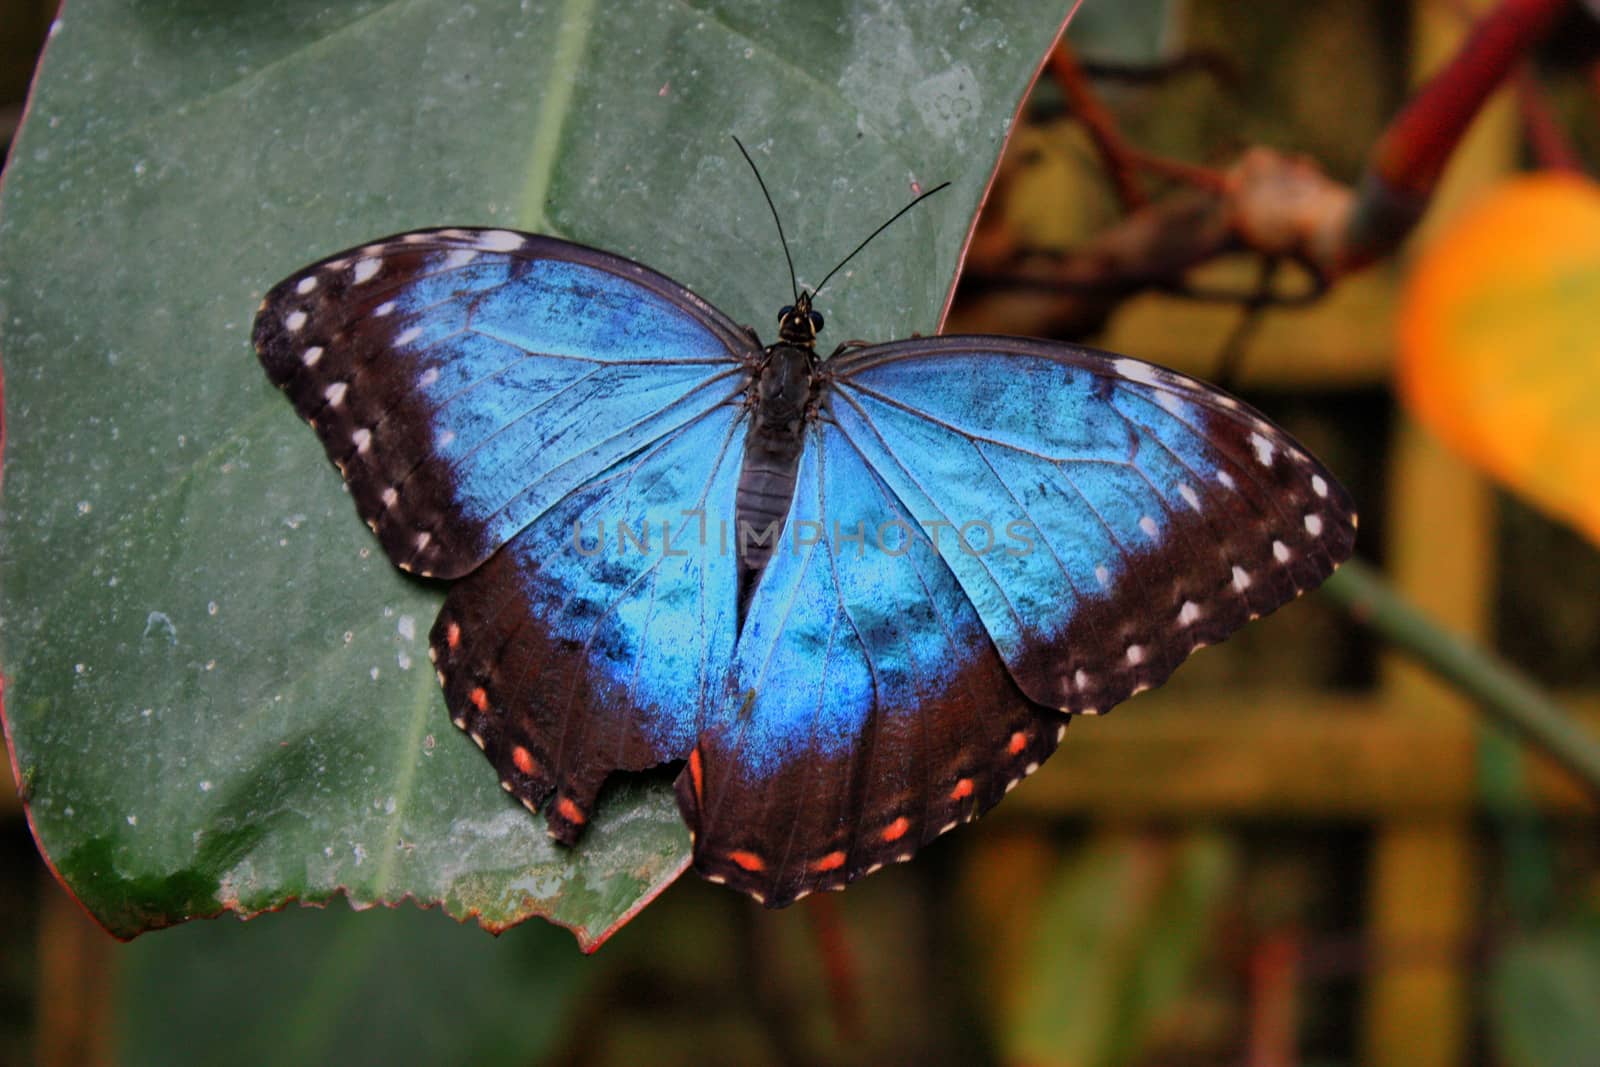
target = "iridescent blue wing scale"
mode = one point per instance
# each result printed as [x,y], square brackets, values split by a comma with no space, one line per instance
[1165,513]
[482,391]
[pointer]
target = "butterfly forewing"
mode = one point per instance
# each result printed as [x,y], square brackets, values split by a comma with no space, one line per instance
[465,380]
[1162,513]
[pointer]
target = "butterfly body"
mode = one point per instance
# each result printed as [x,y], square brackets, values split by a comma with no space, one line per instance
[858,597]
[784,396]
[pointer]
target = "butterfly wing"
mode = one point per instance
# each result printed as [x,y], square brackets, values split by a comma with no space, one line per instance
[1071,525]
[866,713]
[465,380]
[1164,513]
[490,397]
[591,642]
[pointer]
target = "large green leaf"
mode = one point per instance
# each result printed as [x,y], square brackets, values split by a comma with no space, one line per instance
[219,695]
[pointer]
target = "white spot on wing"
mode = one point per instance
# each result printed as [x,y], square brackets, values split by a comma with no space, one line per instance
[365,269]
[428,377]
[310,356]
[1189,612]
[1081,679]
[460,258]
[1263,449]
[499,241]
[334,394]
[1148,525]
[1170,403]
[1135,655]
[1190,497]
[411,333]
[1103,576]
[1135,371]
[1226,479]
[294,320]
[308,283]
[1280,552]
[1241,579]
[1319,485]
[362,439]
[383,309]
[390,496]
[1314,524]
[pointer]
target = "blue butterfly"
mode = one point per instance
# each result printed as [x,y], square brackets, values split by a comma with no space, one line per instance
[859,597]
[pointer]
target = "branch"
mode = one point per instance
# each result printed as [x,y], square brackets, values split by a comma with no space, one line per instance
[1498,688]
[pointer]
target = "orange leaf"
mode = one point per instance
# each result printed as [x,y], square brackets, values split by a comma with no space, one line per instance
[1500,341]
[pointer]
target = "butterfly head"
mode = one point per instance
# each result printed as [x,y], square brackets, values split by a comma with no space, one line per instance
[798,324]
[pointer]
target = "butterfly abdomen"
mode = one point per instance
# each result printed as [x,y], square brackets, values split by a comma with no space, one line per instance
[766,490]
[771,458]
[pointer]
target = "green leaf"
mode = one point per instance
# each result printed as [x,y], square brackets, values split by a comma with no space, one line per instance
[392,987]
[219,693]
[1543,989]
[1117,938]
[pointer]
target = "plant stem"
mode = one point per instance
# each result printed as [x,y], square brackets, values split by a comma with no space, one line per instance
[1500,690]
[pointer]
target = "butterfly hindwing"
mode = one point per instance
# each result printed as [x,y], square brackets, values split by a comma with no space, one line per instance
[867,711]
[589,643]
[1164,514]
[465,380]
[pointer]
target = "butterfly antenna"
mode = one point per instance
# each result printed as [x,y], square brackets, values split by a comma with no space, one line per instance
[794,285]
[874,233]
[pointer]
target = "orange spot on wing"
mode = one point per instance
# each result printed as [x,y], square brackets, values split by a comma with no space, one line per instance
[962,790]
[897,829]
[479,698]
[452,636]
[1019,741]
[831,862]
[570,812]
[748,860]
[524,761]
[696,773]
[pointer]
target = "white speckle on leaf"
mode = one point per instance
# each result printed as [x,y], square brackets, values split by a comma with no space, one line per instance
[948,100]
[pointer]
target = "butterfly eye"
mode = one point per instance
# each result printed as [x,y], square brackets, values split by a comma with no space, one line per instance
[816,322]
[785,311]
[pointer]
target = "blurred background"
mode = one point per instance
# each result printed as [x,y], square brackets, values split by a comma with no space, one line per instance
[1303,850]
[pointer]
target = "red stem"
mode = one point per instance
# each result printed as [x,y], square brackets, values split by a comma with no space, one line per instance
[1102,127]
[1415,148]
[1551,146]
